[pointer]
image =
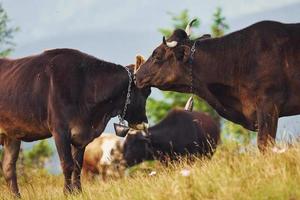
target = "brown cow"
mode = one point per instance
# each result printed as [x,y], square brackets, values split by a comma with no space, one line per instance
[251,76]
[66,94]
[104,156]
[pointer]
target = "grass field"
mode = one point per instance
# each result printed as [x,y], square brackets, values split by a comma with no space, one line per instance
[230,174]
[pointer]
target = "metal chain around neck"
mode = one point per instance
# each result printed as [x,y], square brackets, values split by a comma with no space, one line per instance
[193,50]
[127,102]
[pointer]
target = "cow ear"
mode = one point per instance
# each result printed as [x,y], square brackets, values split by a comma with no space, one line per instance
[139,60]
[183,53]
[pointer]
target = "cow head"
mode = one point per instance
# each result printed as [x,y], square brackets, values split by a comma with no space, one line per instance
[136,111]
[168,66]
[136,147]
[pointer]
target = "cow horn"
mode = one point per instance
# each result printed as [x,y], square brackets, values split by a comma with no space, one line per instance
[121,130]
[146,125]
[172,44]
[169,44]
[188,27]
[164,40]
[189,104]
[142,126]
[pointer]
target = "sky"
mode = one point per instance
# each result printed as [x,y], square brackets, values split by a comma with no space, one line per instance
[101,27]
[116,30]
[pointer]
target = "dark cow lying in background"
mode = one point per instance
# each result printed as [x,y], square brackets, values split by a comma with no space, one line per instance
[180,133]
[66,94]
[104,157]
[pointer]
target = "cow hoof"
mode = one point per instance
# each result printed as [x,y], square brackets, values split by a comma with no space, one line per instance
[17,195]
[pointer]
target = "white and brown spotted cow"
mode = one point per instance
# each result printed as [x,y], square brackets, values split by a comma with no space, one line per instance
[104,157]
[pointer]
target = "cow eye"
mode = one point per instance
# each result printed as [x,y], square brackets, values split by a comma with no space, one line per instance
[157,58]
[156,55]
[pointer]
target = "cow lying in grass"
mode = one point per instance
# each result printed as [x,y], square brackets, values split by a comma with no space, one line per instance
[104,157]
[180,133]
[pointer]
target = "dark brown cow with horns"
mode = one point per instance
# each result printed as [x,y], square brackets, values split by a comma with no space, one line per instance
[66,94]
[180,133]
[251,76]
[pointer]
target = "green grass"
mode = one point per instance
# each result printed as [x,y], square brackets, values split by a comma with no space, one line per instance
[228,175]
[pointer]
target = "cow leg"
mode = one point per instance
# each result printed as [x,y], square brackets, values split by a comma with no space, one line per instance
[267,117]
[63,146]
[77,154]
[10,157]
[103,171]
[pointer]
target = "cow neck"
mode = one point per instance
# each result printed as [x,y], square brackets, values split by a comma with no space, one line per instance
[109,101]
[212,63]
[149,149]
[154,145]
[122,92]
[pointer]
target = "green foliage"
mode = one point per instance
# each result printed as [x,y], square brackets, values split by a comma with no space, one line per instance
[237,132]
[38,155]
[6,34]
[179,21]
[158,109]
[219,25]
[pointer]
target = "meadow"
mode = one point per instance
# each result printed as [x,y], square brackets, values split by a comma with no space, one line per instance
[230,174]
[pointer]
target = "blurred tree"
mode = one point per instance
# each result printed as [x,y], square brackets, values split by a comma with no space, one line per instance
[157,109]
[38,155]
[179,21]
[219,25]
[6,34]
[234,131]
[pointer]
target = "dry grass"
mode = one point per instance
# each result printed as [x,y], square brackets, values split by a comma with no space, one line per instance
[228,175]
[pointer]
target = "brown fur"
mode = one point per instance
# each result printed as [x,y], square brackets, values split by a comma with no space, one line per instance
[66,94]
[251,76]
